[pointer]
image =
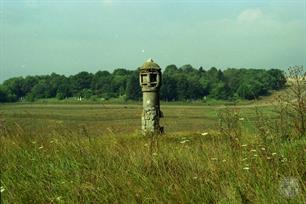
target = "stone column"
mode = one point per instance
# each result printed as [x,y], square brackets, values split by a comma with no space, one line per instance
[150,81]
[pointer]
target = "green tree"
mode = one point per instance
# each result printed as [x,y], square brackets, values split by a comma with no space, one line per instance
[168,90]
[29,83]
[101,82]
[16,86]
[133,89]
[86,93]
[170,70]
[250,89]
[184,83]
[40,90]
[6,95]
[221,91]
[187,68]
[277,79]
[64,89]
[3,94]
[119,81]
[81,81]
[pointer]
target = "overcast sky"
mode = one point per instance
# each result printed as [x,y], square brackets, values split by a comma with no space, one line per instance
[66,37]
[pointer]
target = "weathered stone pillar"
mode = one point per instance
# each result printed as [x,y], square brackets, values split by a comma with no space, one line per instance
[150,82]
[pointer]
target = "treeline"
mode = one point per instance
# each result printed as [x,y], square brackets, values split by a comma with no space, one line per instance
[184,83]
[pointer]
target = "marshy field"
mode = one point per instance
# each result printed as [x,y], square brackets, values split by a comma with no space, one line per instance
[95,153]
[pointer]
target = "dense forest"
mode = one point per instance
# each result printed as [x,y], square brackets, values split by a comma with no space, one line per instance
[178,84]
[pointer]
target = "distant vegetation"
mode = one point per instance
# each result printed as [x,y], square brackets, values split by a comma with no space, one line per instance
[179,84]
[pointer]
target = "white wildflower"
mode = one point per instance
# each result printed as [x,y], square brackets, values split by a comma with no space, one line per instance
[246,168]
[241,118]
[255,155]
[284,160]
[184,141]
[2,189]
[268,158]
[244,145]
[274,153]
[253,150]
[263,149]
[59,198]
[195,177]
[40,147]
[204,133]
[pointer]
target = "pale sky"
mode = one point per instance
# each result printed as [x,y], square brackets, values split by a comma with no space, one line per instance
[66,37]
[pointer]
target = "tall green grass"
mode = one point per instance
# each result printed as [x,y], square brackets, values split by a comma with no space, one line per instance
[175,168]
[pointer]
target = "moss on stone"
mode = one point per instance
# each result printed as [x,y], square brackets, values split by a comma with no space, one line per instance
[150,65]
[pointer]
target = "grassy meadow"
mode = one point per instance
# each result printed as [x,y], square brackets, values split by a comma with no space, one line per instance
[94,153]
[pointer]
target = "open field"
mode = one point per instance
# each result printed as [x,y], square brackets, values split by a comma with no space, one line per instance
[114,119]
[58,153]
